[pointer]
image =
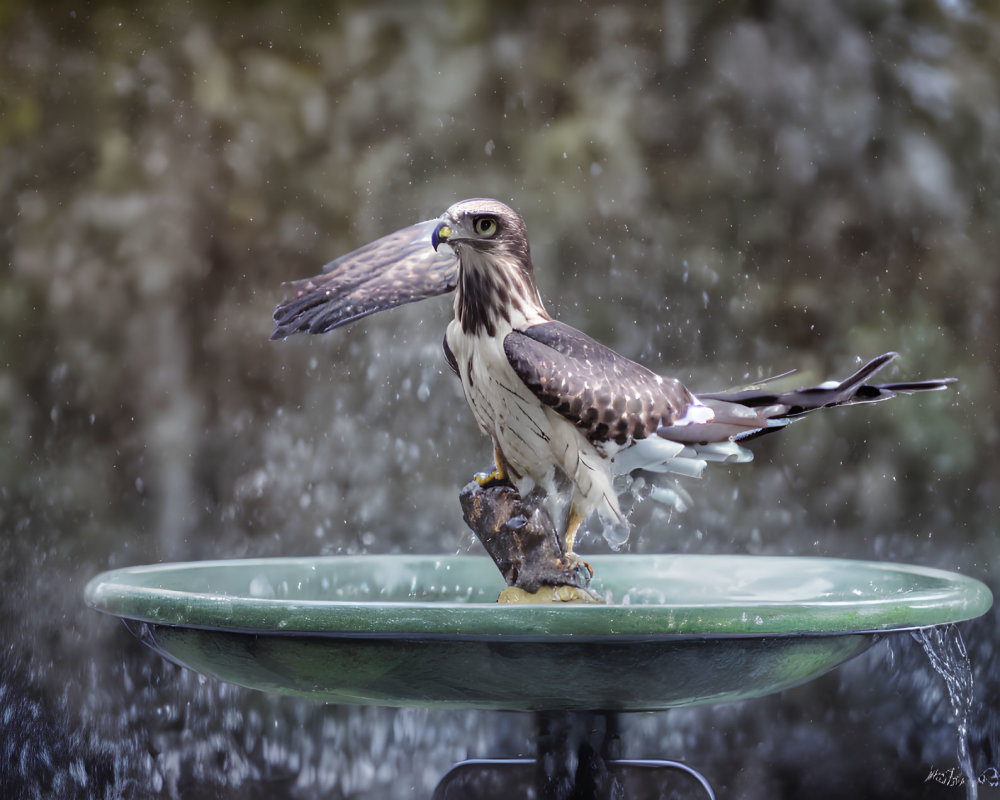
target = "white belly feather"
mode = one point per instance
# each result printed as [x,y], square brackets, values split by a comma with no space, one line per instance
[541,447]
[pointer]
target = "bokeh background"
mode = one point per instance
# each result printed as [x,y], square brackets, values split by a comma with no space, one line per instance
[723,191]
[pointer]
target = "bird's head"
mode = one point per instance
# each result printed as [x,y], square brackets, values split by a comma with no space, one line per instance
[484,226]
[496,279]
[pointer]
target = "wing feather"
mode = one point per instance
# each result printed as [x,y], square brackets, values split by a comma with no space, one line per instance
[402,267]
[607,396]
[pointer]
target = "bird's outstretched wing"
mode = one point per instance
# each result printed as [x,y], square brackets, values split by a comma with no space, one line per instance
[399,268]
[604,394]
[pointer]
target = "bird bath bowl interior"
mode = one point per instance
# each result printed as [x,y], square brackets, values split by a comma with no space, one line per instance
[403,630]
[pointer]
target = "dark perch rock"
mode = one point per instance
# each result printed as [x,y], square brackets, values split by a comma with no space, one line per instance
[521,538]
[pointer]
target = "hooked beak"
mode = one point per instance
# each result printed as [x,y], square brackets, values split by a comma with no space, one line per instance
[441,234]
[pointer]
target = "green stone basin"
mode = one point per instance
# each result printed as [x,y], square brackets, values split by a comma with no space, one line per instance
[400,630]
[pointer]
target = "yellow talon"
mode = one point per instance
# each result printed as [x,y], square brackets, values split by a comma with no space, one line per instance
[571,562]
[485,479]
[498,475]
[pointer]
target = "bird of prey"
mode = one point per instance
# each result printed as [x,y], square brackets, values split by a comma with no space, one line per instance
[567,416]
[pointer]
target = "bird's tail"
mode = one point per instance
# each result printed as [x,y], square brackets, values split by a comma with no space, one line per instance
[726,420]
[773,410]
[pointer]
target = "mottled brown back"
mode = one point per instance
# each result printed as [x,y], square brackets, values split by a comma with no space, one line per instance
[607,396]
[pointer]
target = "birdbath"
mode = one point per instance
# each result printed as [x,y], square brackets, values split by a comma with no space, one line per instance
[418,630]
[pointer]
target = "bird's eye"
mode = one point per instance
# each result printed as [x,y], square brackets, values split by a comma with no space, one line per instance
[484,226]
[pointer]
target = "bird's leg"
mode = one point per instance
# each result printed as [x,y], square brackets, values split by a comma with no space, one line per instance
[570,559]
[498,475]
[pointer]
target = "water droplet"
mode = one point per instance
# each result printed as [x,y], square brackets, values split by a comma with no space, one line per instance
[260,586]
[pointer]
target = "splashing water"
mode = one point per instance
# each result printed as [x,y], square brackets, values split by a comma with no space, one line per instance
[946,651]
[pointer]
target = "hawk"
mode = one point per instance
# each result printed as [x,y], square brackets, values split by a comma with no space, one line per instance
[567,416]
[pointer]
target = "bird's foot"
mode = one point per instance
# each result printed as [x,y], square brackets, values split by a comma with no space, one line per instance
[549,594]
[495,478]
[572,563]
